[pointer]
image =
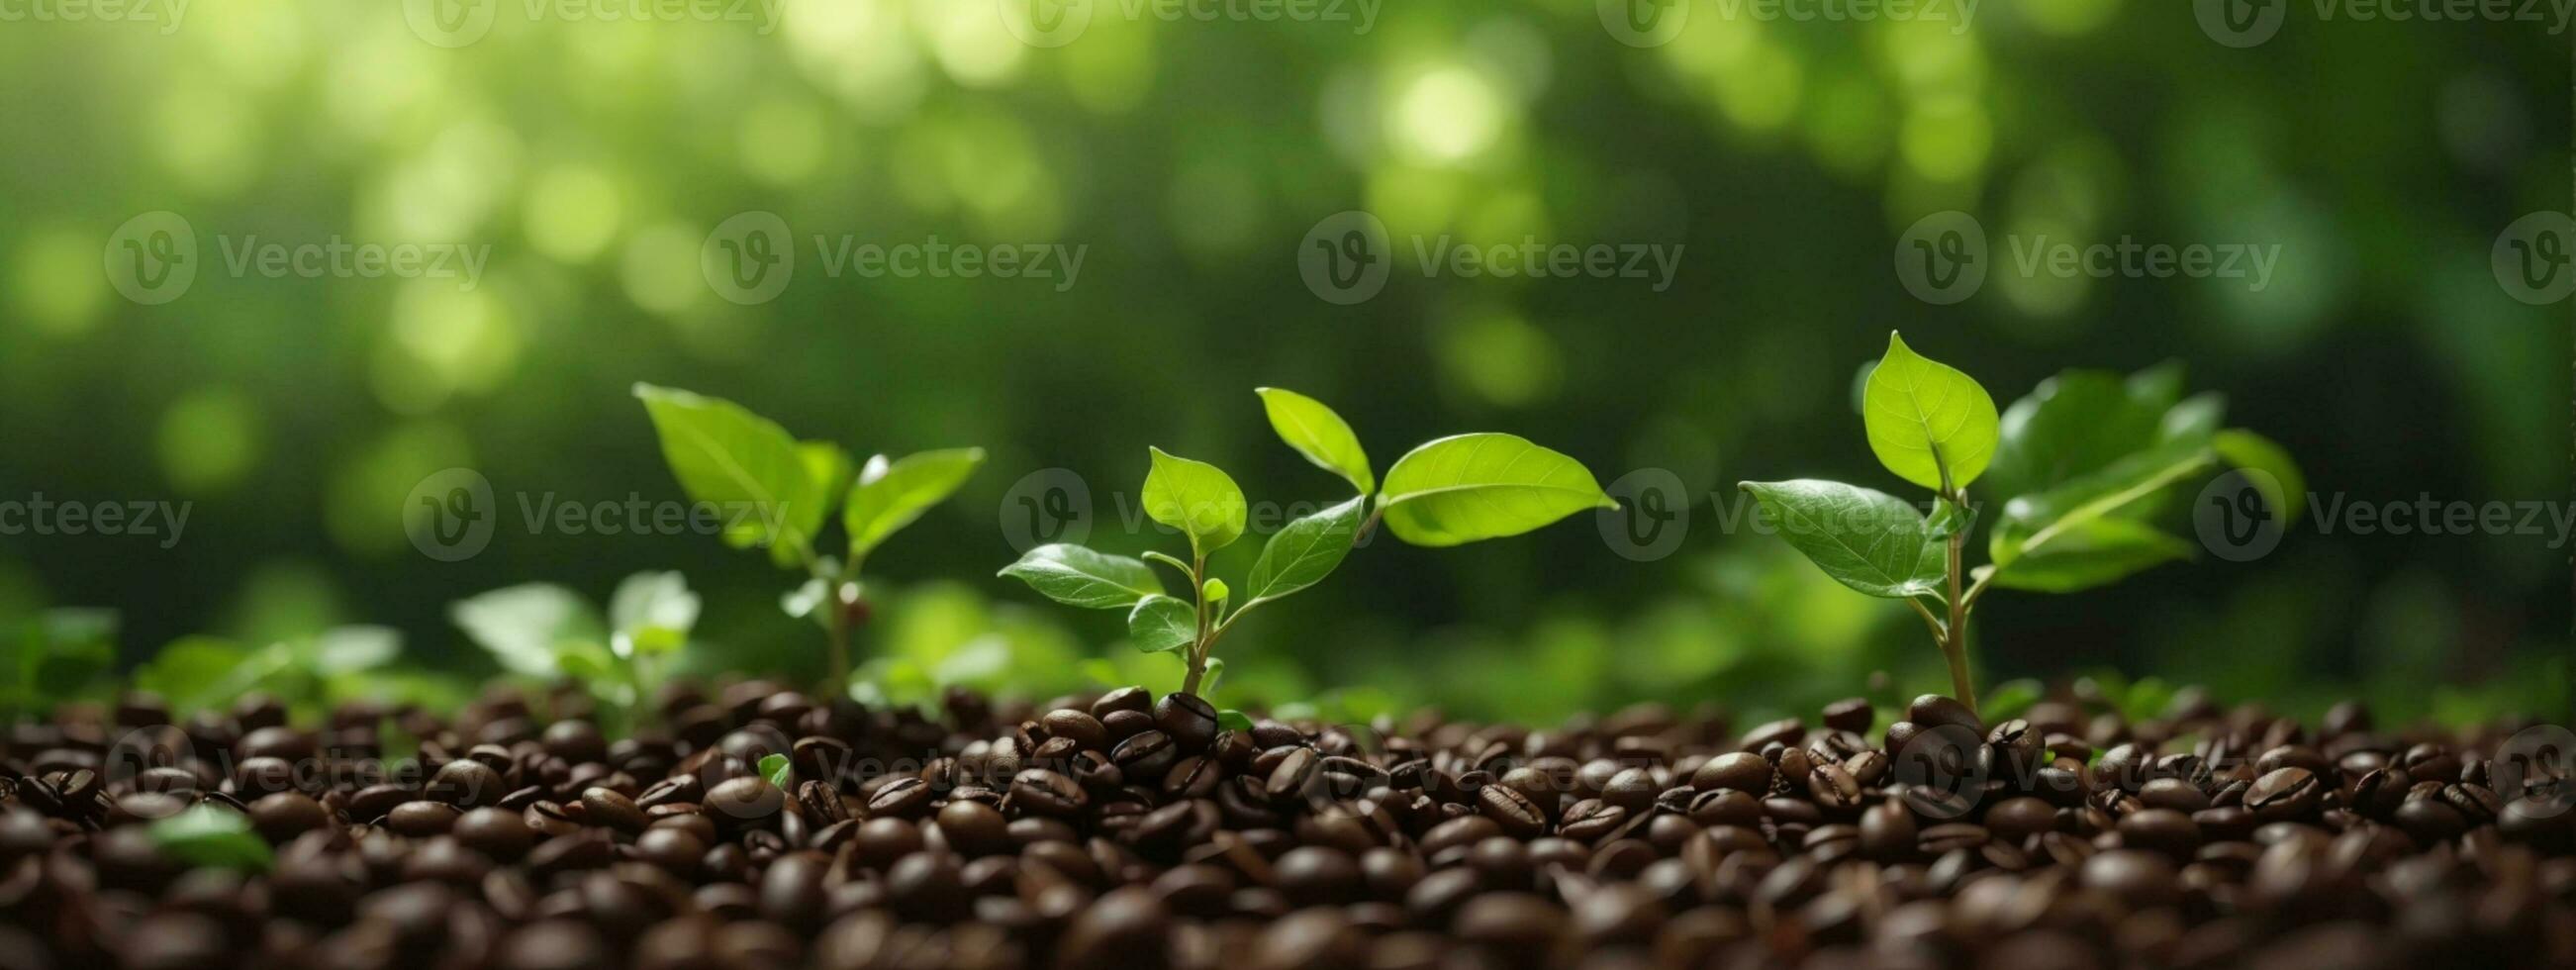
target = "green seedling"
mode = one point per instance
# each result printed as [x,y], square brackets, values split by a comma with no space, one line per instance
[547,632]
[778,493]
[1449,492]
[53,656]
[2091,461]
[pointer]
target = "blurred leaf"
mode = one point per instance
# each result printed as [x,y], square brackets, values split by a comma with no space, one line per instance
[1865,539]
[830,466]
[1233,720]
[2287,491]
[1075,576]
[1304,552]
[1473,487]
[2008,700]
[1197,498]
[776,769]
[892,496]
[2071,425]
[521,625]
[1917,408]
[2031,522]
[1319,434]
[2093,553]
[210,837]
[1161,623]
[651,613]
[193,672]
[354,649]
[746,466]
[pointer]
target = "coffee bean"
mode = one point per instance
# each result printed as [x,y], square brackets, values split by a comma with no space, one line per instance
[1188,719]
[2162,830]
[748,802]
[2476,803]
[1144,756]
[606,807]
[974,829]
[1833,788]
[467,783]
[1850,714]
[1934,710]
[285,815]
[2284,793]
[1083,729]
[1126,928]
[2144,880]
[499,834]
[1047,793]
[1289,778]
[1734,771]
[555,944]
[422,818]
[1512,811]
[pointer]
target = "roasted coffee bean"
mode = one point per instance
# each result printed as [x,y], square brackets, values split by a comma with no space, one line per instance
[1833,788]
[1046,793]
[906,797]
[974,829]
[1887,831]
[467,783]
[1288,780]
[2476,803]
[2162,830]
[1188,719]
[421,819]
[749,802]
[499,834]
[602,806]
[674,790]
[1850,714]
[1144,756]
[1083,729]
[1734,771]
[1934,710]
[285,815]
[1512,811]
[2285,793]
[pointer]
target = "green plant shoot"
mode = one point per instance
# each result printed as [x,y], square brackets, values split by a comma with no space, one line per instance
[1448,492]
[2089,461]
[778,493]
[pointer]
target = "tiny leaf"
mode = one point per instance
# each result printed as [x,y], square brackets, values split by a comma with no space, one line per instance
[830,466]
[651,613]
[212,837]
[1075,576]
[1233,720]
[1197,498]
[1472,487]
[1319,434]
[894,495]
[520,625]
[1305,551]
[755,474]
[776,768]
[1916,408]
[1161,623]
[1865,539]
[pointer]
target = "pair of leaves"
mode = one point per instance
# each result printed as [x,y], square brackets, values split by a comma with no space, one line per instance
[776,492]
[546,631]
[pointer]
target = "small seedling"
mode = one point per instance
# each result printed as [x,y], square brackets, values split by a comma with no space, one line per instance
[776,492]
[2090,460]
[214,837]
[547,632]
[1449,492]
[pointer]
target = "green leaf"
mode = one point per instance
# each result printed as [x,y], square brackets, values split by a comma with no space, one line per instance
[520,625]
[893,495]
[776,768]
[1196,498]
[190,671]
[830,466]
[2096,553]
[802,601]
[2030,523]
[755,475]
[1473,487]
[1233,720]
[1304,552]
[2253,452]
[215,838]
[1865,539]
[2008,700]
[651,613]
[1215,672]
[2072,425]
[1319,434]
[1916,408]
[352,649]
[1160,623]
[1949,518]
[1075,576]
[58,654]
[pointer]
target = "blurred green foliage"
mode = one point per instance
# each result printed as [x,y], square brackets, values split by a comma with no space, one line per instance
[1188,158]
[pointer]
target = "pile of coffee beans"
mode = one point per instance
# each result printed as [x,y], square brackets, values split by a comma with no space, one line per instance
[1133,832]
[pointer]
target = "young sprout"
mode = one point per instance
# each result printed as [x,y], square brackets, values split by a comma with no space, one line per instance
[777,493]
[549,632]
[2089,458]
[1451,491]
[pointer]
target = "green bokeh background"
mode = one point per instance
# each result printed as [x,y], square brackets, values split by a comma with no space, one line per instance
[1189,159]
